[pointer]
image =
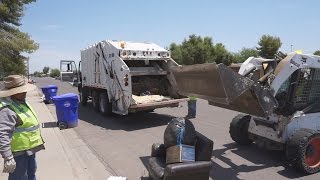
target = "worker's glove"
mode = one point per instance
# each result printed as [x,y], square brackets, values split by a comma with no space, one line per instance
[9,164]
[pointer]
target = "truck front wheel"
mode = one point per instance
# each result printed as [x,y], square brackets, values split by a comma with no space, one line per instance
[105,105]
[303,148]
[239,129]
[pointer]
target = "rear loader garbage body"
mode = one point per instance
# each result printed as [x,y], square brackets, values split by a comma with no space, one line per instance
[123,77]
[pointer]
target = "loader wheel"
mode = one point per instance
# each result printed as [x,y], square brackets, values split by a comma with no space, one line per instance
[304,149]
[95,101]
[105,105]
[239,129]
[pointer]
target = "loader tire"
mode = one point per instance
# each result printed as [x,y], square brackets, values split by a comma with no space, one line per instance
[105,105]
[303,149]
[239,129]
[95,101]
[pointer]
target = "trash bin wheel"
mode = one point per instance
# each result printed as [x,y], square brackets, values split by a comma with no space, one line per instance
[48,101]
[62,125]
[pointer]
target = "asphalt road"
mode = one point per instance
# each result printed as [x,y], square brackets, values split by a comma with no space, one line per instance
[123,143]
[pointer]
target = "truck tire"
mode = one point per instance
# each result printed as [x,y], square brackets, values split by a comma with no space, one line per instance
[105,105]
[239,129]
[303,148]
[83,98]
[95,101]
[83,95]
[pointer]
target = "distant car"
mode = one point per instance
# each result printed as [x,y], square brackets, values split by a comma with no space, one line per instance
[31,81]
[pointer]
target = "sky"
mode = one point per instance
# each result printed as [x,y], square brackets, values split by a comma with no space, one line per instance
[64,27]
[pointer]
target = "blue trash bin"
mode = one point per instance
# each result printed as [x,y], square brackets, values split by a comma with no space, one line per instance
[49,91]
[67,110]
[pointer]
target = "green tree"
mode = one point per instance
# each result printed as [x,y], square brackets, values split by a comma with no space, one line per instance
[268,46]
[36,74]
[13,42]
[222,55]
[244,54]
[176,53]
[198,50]
[54,73]
[317,53]
[194,50]
[45,70]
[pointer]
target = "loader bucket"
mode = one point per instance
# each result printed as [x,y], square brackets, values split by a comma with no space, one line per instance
[223,87]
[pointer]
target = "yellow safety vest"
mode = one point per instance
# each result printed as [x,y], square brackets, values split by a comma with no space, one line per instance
[27,135]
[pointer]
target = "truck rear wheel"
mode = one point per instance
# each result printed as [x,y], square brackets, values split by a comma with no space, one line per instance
[95,101]
[239,129]
[105,105]
[83,95]
[304,149]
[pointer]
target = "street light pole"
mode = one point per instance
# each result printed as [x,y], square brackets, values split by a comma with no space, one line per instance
[28,70]
[27,66]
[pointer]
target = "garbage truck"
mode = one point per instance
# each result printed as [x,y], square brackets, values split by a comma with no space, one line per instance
[279,102]
[125,77]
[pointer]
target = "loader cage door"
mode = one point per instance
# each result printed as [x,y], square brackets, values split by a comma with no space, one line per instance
[307,90]
[299,91]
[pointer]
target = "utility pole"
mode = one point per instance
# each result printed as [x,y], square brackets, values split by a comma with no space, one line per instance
[1,70]
[291,47]
[27,66]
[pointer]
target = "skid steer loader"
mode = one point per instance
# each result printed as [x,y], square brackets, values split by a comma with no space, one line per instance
[279,101]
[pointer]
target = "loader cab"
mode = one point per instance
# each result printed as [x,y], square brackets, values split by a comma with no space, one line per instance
[257,68]
[300,92]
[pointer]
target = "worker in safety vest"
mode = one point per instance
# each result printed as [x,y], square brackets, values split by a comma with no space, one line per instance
[192,107]
[20,136]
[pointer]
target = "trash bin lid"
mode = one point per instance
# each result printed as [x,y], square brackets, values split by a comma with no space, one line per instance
[66,96]
[49,87]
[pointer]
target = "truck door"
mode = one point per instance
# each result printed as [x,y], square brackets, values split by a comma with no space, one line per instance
[69,72]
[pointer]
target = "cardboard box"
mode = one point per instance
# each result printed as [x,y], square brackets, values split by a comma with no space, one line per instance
[180,153]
